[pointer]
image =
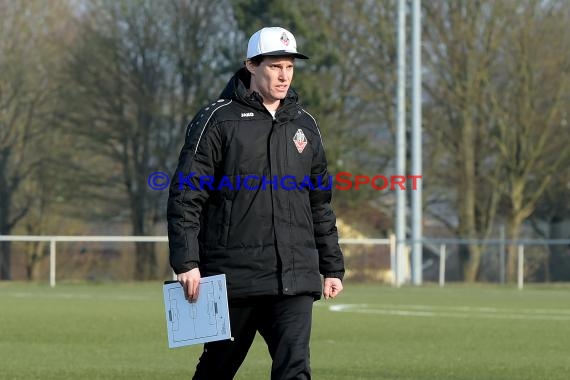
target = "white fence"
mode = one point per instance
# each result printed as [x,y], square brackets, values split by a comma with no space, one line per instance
[400,274]
[53,240]
[501,243]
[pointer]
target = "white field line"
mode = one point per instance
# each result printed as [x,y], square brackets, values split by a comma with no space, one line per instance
[455,312]
[480,309]
[71,296]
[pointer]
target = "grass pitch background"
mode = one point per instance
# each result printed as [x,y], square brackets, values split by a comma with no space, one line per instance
[118,331]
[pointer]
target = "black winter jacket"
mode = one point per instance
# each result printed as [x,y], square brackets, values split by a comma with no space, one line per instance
[266,238]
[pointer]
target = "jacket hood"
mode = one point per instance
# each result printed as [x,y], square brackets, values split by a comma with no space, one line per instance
[237,89]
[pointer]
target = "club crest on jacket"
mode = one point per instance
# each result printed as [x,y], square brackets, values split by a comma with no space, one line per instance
[300,140]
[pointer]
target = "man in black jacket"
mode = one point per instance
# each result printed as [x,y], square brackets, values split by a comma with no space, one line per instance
[251,199]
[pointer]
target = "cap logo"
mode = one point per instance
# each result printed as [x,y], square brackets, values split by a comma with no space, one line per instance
[300,140]
[284,39]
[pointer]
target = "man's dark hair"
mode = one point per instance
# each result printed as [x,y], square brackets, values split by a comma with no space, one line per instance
[257,59]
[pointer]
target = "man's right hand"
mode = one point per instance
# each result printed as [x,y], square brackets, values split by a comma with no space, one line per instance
[190,281]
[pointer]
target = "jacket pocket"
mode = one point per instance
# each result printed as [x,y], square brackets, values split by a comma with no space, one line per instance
[225,230]
[315,261]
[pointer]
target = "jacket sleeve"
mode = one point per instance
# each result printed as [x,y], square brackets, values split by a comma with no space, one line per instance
[200,156]
[331,261]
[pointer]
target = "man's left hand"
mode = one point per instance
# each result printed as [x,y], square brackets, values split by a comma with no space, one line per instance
[332,287]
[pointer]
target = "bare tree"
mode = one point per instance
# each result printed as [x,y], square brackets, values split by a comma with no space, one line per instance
[497,87]
[530,105]
[27,59]
[137,71]
[462,49]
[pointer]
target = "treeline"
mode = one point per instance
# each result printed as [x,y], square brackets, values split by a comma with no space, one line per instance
[95,96]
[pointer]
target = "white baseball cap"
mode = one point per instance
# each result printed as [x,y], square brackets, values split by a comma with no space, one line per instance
[273,41]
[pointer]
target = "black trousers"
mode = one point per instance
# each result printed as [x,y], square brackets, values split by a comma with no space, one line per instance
[285,324]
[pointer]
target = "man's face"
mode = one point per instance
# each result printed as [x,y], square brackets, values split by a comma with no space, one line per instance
[272,78]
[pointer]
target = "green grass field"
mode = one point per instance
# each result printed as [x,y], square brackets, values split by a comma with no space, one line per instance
[117,331]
